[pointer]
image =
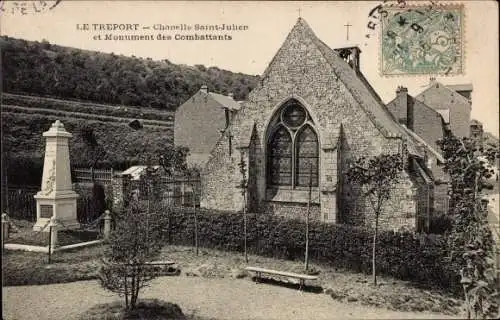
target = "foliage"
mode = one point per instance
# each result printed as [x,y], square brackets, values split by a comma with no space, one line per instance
[417,257]
[146,310]
[88,147]
[243,185]
[173,160]
[440,223]
[137,239]
[377,177]
[470,239]
[52,70]
[23,134]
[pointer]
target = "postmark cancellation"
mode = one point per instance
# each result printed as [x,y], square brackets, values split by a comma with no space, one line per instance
[422,40]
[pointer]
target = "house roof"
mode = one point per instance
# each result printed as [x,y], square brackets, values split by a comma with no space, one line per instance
[420,141]
[461,87]
[444,113]
[225,101]
[443,97]
[136,171]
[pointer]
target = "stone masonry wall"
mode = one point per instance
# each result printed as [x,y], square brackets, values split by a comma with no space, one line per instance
[221,177]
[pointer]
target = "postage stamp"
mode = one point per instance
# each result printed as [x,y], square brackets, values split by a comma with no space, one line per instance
[422,40]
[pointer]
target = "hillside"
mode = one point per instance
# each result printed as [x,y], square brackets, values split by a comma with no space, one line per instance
[84,110]
[43,82]
[23,144]
[44,69]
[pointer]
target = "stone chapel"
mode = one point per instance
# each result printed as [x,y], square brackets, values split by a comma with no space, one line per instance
[312,113]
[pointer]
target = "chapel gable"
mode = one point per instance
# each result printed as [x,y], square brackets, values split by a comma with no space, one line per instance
[311,115]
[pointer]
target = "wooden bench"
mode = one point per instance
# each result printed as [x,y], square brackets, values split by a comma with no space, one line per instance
[160,263]
[301,277]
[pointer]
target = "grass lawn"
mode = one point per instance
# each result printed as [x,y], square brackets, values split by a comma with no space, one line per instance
[22,233]
[341,285]
[28,268]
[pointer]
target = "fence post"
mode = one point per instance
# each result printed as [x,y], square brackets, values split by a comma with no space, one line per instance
[5,227]
[53,235]
[107,224]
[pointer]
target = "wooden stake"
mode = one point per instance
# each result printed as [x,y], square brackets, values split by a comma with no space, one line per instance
[307,219]
[245,227]
[50,242]
[195,220]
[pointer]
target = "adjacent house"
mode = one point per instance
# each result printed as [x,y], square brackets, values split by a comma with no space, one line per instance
[199,122]
[426,125]
[453,102]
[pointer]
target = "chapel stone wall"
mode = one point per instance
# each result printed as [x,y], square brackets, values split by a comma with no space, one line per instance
[300,71]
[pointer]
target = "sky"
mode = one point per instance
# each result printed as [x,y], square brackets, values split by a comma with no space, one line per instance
[265,26]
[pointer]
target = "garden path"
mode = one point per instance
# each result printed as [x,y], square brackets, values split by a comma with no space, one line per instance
[207,298]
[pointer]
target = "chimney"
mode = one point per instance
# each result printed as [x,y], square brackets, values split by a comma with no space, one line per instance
[204,88]
[406,106]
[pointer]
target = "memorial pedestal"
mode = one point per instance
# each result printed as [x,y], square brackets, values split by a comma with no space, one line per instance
[56,199]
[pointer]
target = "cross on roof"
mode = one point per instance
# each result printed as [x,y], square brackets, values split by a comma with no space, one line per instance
[347,26]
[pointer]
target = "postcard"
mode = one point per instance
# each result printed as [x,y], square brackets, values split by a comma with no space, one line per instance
[250,159]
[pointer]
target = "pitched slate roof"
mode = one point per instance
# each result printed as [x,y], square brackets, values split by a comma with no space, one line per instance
[460,87]
[423,143]
[442,95]
[225,101]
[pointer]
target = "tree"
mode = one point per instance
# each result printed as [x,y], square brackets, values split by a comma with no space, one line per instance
[88,149]
[136,240]
[376,177]
[90,153]
[470,239]
[173,160]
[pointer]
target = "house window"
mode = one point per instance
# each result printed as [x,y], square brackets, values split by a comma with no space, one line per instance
[293,150]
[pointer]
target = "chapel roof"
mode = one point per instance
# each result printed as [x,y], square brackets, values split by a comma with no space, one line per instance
[359,87]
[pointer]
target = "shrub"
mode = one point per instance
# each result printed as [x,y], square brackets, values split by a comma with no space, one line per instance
[440,223]
[408,256]
[147,309]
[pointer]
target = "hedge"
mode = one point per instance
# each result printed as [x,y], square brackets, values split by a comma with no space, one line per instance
[421,258]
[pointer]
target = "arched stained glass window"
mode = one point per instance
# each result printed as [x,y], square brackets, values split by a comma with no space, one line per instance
[292,148]
[307,158]
[280,157]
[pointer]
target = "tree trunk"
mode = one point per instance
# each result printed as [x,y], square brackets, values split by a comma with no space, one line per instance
[374,255]
[135,285]
[195,222]
[245,227]
[126,290]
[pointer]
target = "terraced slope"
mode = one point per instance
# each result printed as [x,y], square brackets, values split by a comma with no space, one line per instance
[25,118]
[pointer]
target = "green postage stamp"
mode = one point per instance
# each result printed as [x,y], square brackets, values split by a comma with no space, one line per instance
[422,40]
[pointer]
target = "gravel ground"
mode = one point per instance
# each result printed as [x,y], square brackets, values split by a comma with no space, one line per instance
[208,298]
